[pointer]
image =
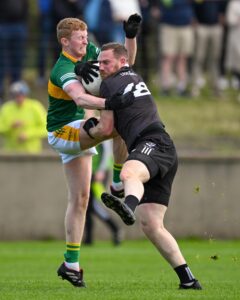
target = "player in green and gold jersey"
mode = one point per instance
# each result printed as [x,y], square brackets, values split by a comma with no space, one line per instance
[66,134]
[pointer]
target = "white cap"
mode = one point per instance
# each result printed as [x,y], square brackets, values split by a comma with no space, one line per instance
[19,87]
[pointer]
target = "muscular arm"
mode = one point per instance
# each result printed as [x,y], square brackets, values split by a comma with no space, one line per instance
[131,28]
[131,46]
[105,127]
[76,91]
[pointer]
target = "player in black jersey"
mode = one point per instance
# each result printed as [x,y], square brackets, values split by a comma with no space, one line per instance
[152,163]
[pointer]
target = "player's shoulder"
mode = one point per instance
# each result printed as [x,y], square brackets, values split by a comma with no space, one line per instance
[63,64]
[118,81]
[123,75]
[62,71]
[126,71]
[92,52]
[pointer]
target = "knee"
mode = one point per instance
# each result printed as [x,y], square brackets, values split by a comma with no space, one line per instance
[79,202]
[151,225]
[126,174]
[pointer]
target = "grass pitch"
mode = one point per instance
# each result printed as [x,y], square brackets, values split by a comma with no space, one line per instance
[132,271]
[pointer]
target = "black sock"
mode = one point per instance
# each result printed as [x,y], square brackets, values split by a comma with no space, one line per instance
[131,202]
[184,273]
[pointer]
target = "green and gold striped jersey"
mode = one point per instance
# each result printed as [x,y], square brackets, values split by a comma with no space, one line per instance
[62,109]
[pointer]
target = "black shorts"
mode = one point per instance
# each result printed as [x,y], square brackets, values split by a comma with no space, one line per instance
[161,161]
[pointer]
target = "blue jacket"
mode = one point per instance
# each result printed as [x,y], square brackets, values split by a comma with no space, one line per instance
[208,12]
[177,12]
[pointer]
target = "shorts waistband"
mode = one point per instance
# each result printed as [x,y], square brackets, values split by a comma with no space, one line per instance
[154,127]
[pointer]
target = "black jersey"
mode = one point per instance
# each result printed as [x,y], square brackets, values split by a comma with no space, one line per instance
[132,120]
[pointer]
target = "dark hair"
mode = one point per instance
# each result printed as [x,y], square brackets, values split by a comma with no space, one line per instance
[118,49]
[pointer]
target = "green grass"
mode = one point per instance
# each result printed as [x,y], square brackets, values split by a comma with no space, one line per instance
[134,270]
[206,123]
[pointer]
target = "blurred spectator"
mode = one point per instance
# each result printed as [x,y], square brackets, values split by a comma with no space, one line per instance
[101,165]
[64,9]
[22,121]
[176,41]
[233,45]
[13,37]
[98,16]
[222,82]
[147,36]
[46,28]
[121,10]
[208,40]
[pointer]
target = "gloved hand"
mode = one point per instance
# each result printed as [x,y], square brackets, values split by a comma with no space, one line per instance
[86,70]
[90,123]
[119,101]
[132,25]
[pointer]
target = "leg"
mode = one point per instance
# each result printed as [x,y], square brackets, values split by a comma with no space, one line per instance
[133,174]
[132,179]
[199,56]
[119,150]
[169,50]
[78,177]
[167,63]
[151,218]
[119,154]
[89,224]
[216,36]
[182,72]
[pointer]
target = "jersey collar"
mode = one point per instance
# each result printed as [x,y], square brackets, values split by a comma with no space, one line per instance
[69,56]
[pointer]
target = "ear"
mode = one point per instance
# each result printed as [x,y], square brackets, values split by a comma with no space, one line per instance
[64,41]
[123,60]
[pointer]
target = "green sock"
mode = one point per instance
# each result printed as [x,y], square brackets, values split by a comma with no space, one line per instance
[167,3]
[73,252]
[116,172]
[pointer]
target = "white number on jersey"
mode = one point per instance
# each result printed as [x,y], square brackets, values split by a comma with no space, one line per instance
[139,89]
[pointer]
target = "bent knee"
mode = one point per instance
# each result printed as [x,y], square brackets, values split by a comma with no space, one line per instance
[127,173]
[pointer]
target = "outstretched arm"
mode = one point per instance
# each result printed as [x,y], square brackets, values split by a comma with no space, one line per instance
[131,28]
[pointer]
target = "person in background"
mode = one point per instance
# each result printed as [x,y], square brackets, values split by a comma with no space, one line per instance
[121,10]
[98,16]
[100,178]
[232,62]
[22,121]
[13,38]
[146,59]
[176,44]
[223,83]
[45,24]
[209,19]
